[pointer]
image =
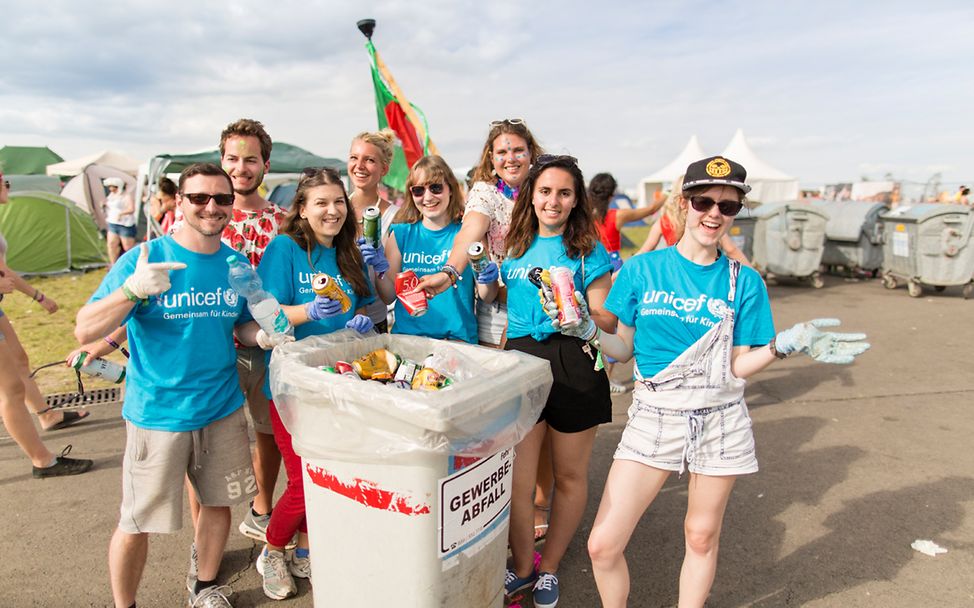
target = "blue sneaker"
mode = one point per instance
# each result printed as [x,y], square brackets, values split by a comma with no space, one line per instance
[513,583]
[546,591]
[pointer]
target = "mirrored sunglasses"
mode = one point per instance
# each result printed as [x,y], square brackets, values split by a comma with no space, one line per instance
[546,159]
[506,121]
[202,198]
[703,204]
[419,191]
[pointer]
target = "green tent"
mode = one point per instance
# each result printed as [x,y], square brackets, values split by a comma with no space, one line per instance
[285,158]
[48,234]
[27,160]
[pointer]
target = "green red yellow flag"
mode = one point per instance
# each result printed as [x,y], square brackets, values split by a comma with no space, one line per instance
[396,112]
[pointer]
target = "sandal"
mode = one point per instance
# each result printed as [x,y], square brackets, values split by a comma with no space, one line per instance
[70,418]
[541,529]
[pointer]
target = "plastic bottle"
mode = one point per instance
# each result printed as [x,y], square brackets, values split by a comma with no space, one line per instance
[101,368]
[263,306]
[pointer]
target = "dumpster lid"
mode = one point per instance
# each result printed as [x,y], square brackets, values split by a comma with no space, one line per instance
[847,218]
[924,211]
[770,209]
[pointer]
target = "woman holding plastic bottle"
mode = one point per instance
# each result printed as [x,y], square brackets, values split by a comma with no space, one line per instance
[698,325]
[420,239]
[552,226]
[317,236]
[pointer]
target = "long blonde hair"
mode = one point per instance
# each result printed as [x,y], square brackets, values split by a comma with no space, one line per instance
[673,210]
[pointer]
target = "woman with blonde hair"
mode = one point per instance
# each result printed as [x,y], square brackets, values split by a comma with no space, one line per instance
[672,223]
[369,159]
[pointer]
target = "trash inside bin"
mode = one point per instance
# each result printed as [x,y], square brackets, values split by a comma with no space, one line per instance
[789,240]
[407,491]
[929,243]
[853,235]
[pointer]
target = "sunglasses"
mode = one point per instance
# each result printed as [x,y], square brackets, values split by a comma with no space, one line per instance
[506,121]
[418,191]
[703,204]
[547,159]
[202,198]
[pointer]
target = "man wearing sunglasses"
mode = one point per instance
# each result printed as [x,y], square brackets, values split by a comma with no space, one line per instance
[183,407]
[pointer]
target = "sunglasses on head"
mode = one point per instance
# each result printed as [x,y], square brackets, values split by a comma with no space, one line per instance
[546,159]
[202,198]
[419,191]
[506,121]
[703,204]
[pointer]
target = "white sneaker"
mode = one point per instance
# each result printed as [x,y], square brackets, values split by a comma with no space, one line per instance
[616,388]
[211,597]
[278,582]
[300,567]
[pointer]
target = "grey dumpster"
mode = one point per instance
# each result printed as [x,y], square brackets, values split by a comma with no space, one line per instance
[742,232]
[789,240]
[853,235]
[929,243]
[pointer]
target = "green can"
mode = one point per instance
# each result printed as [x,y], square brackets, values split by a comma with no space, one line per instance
[371,226]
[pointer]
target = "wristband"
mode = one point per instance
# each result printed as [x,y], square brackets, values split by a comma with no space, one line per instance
[34,297]
[452,273]
[41,299]
[116,345]
[775,351]
[131,296]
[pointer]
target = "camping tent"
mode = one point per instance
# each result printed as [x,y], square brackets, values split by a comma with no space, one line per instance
[649,186]
[285,158]
[88,193]
[767,183]
[26,160]
[23,183]
[107,158]
[47,234]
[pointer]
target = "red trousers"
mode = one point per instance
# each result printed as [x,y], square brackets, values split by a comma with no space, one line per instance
[288,514]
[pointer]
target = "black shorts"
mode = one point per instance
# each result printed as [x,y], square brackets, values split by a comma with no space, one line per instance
[579,397]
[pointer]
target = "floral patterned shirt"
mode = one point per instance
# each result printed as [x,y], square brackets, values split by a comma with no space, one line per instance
[249,231]
[485,198]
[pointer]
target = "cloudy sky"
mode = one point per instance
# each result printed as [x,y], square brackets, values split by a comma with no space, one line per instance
[827,91]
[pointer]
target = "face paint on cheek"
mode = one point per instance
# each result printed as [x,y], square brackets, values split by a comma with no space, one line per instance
[521,155]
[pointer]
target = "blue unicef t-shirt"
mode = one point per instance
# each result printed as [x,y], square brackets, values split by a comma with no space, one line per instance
[286,273]
[182,374]
[450,315]
[525,316]
[672,302]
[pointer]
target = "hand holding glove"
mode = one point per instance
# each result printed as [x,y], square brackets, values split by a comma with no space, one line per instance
[373,256]
[267,342]
[584,329]
[824,346]
[489,274]
[322,307]
[150,279]
[360,323]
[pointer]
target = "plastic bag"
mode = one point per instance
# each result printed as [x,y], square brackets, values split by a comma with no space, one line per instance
[494,402]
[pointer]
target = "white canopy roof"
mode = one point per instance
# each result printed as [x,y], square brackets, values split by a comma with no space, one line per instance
[668,174]
[109,158]
[767,183]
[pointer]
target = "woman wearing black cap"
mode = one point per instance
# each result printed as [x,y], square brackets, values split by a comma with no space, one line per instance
[698,325]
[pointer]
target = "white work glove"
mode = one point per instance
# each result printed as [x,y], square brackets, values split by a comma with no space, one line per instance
[584,329]
[150,278]
[267,342]
[824,346]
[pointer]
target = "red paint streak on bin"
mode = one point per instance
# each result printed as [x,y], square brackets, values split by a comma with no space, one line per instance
[367,493]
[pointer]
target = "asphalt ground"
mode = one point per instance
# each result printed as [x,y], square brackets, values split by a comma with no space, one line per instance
[856,463]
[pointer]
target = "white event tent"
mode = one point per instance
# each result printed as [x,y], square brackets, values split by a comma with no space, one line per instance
[649,186]
[768,184]
[108,158]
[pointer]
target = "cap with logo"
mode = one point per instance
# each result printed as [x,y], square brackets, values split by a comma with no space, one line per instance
[716,171]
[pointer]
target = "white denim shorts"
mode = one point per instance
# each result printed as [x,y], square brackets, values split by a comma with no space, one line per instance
[715,441]
[491,322]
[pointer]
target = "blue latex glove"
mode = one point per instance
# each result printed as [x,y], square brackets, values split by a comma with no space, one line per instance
[584,329]
[360,323]
[489,275]
[373,256]
[824,346]
[322,307]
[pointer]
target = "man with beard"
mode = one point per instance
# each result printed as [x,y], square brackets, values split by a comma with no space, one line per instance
[183,405]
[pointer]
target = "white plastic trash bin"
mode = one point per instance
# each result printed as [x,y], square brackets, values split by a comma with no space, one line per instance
[407,492]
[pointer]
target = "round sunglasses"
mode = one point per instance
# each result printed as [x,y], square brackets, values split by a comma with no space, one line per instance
[703,204]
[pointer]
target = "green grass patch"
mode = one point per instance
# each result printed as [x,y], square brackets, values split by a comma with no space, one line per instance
[50,337]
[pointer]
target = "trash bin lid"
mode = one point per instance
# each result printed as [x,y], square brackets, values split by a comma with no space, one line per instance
[847,218]
[922,212]
[771,209]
